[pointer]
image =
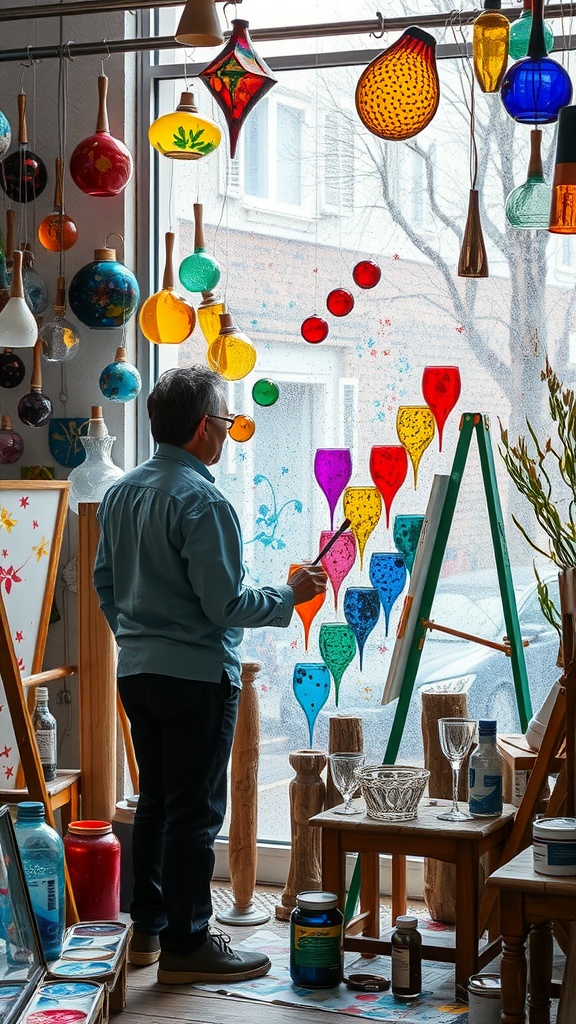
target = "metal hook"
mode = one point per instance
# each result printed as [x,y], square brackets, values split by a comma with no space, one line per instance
[381,27]
[66,49]
[108,54]
[230,3]
[118,235]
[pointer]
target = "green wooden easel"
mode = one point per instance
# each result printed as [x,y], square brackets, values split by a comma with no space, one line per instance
[470,424]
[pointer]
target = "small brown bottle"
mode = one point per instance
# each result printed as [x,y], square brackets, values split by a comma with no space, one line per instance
[406,959]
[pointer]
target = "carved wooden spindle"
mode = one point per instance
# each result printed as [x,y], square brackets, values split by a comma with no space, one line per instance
[307,794]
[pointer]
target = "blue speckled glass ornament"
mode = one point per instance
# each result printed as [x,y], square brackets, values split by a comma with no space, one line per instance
[362,611]
[120,381]
[535,88]
[388,575]
[311,685]
[5,134]
[337,646]
[406,532]
[104,294]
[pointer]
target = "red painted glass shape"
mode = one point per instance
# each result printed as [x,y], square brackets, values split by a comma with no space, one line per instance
[441,389]
[366,274]
[340,302]
[388,469]
[314,329]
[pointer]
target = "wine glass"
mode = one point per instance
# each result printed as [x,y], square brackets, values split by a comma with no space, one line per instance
[344,768]
[456,738]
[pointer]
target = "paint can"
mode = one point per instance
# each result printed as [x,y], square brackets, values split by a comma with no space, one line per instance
[122,825]
[484,999]
[554,846]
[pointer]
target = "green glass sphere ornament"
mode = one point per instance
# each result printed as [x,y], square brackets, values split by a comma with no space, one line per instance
[528,206]
[200,271]
[265,392]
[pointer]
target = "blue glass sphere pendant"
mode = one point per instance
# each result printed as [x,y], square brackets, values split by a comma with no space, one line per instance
[535,88]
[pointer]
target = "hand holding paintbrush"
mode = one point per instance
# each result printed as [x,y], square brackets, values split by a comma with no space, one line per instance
[310,580]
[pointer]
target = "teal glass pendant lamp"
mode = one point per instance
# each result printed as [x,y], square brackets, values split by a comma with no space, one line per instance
[528,206]
[536,88]
[520,34]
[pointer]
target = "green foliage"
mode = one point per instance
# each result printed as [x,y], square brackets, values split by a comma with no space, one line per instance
[191,140]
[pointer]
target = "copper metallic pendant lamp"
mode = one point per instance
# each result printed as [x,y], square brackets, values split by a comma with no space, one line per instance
[199,24]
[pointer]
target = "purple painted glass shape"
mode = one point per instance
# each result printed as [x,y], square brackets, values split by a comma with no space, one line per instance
[332,469]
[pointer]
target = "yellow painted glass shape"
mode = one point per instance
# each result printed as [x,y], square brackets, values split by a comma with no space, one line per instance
[490,38]
[415,428]
[363,507]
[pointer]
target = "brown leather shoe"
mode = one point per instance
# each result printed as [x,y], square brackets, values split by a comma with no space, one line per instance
[213,962]
[144,949]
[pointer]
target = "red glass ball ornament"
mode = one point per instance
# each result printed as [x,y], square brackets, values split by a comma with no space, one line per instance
[366,274]
[340,302]
[314,329]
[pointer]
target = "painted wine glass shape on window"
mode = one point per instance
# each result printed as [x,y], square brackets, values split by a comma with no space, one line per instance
[415,429]
[363,507]
[388,576]
[441,387]
[362,611]
[337,646]
[308,610]
[388,469]
[311,685]
[406,532]
[338,561]
[332,469]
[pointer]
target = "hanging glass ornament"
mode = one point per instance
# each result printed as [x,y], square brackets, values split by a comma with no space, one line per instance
[90,481]
[441,389]
[18,328]
[338,561]
[406,532]
[388,469]
[363,507]
[5,134]
[23,174]
[232,354]
[104,294]
[59,337]
[398,93]
[563,203]
[35,290]
[307,610]
[184,134]
[200,271]
[35,408]
[340,302]
[388,577]
[12,369]
[473,261]
[120,381]
[415,429]
[237,78]
[314,329]
[366,274]
[332,469]
[361,611]
[528,205]
[337,645]
[11,443]
[58,232]
[242,429]
[166,318]
[208,314]
[490,33]
[311,686]
[536,88]
[265,392]
[101,165]
[520,34]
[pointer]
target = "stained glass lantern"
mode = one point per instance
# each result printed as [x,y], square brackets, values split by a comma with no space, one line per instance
[120,381]
[535,88]
[12,369]
[441,387]
[237,78]
[307,610]
[398,93]
[208,315]
[101,165]
[265,392]
[406,532]
[473,261]
[388,576]
[361,611]
[199,272]
[314,329]
[311,686]
[184,134]
[338,561]
[340,302]
[166,318]
[363,507]
[490,34]
[415,429]
[35,408]
[366,274]
[337,645]
[58,232]
[23,174]
[528,205]
[59,338]
[332,469]
[5,134]
[11,443]
[104,294]
[388,469]
[231,354]
[520,33]
[18,327]
[563,205]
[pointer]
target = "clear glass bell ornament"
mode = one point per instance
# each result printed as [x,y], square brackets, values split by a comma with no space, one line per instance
[59,337]
[90,481]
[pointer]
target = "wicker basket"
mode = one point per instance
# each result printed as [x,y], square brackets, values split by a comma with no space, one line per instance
[392,792]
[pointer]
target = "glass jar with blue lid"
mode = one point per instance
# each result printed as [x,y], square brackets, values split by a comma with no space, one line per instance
[316,928]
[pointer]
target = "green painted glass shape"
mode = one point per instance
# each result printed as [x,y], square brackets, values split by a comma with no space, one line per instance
[337,647]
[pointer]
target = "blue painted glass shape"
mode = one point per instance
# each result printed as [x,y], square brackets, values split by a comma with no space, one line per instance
[362,611]
[388,575]
[534,90]
[311,685]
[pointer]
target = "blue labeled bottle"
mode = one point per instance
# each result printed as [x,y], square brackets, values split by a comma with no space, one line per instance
[42,854]
[485,774]
[316,930]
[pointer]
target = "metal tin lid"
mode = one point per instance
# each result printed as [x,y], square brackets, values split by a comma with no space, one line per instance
[317,900]
[486,984]
[406,921]
[554,828]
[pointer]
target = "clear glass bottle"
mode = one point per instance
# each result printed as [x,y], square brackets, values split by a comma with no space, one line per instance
[485,774]
[91,480]
[42,853]
[406,958]
[44,725]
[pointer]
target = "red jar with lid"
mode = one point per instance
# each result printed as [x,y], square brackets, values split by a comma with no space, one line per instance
[92,854]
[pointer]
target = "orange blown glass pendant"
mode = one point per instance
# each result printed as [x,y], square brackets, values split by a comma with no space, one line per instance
[398,93]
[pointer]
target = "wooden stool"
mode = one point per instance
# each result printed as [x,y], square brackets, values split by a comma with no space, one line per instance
[460,843]
[63,793]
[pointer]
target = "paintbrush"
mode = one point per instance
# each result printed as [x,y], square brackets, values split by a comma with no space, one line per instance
[332,540]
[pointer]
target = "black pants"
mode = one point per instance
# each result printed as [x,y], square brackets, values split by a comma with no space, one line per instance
[182,732]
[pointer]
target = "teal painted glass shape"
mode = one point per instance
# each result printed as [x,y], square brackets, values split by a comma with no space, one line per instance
[362,611]
[311,685]
[406,532]
[337,647]
[528,206]
[520,34]
[338,561]
[388,576]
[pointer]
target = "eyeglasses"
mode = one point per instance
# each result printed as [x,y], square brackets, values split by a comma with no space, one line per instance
[230,420]
[240,427]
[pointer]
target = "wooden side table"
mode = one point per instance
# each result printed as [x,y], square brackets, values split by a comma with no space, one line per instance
[529,902]
[461,843]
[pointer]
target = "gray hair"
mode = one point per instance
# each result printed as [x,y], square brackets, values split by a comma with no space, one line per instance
[179,400]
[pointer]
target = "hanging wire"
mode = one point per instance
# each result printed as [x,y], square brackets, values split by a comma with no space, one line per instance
[468,90]
[107,57]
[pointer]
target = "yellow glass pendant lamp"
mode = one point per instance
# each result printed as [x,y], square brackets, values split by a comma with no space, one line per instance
[166,318]
[231,354]
[398,93]
[184,134]
[490,38]
[209,316]
[563,206]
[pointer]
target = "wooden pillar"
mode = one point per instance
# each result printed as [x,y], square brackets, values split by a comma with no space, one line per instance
[97,670]
[242,843]
[307,793]
[345,735]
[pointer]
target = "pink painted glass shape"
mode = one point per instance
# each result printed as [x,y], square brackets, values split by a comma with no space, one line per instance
[339,560]
[441,389]
[332,469]
[388,469]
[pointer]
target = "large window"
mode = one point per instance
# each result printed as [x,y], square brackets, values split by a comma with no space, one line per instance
[309,195]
